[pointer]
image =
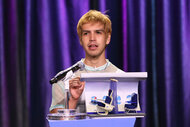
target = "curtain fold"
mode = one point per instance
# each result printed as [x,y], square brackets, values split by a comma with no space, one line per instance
[185,59]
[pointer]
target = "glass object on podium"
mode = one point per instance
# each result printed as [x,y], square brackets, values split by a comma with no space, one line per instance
[66,114]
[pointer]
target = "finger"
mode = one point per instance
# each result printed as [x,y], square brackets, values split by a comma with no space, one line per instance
[75,85]
[82,85]
[76,78]
[74,81]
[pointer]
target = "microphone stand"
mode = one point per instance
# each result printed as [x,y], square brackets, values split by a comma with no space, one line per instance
[66,81]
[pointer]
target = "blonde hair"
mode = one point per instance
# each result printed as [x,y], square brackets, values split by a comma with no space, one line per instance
[94,16]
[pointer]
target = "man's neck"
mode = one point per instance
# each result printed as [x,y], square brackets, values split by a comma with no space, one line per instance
[95,62]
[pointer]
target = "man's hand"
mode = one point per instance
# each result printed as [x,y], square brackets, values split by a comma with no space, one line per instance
[76,88]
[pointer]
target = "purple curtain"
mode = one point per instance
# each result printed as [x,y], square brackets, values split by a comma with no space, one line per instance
[38,39]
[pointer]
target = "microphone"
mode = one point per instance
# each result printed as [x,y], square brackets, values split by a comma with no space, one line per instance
[62,74]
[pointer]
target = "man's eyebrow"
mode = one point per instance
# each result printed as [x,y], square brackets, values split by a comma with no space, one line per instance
[100,30]
[85,30]
[94,30]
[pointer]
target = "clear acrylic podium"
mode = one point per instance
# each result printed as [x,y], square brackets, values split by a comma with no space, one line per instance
[125,112]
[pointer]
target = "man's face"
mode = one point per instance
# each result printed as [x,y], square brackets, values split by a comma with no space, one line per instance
[94,39]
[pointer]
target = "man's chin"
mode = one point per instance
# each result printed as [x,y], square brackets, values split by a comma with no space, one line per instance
[94,55]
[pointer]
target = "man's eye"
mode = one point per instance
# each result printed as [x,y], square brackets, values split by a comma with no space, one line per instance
[98,32]
[85,33]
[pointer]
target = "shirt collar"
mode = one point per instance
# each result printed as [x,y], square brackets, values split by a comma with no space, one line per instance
[103,67]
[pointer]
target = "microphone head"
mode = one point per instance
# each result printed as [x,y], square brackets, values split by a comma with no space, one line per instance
[81,65]
[78,66]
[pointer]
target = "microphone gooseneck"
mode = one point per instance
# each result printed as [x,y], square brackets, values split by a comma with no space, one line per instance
[62,74]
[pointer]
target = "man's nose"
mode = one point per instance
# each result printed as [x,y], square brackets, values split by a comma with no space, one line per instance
[92,37]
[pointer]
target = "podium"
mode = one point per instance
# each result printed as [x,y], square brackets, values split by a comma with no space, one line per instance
[125,100]
[110,122]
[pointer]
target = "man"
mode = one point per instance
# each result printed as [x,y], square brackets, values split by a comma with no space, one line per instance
[94,31]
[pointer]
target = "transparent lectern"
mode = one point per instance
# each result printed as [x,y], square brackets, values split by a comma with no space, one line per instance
[111,99]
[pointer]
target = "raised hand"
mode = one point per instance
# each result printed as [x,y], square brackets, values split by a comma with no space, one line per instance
[76,88]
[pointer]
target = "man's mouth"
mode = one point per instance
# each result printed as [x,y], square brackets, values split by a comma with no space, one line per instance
[93,46]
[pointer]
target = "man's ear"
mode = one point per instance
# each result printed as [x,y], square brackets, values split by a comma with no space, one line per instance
[108,39]
[80,41]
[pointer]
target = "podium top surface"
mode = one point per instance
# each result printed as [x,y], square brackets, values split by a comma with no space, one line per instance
[127,76]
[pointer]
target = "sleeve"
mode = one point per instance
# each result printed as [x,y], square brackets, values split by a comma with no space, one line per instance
[119,71]
[57,95]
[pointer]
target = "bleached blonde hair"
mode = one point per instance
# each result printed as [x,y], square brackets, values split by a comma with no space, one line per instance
[94,16]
